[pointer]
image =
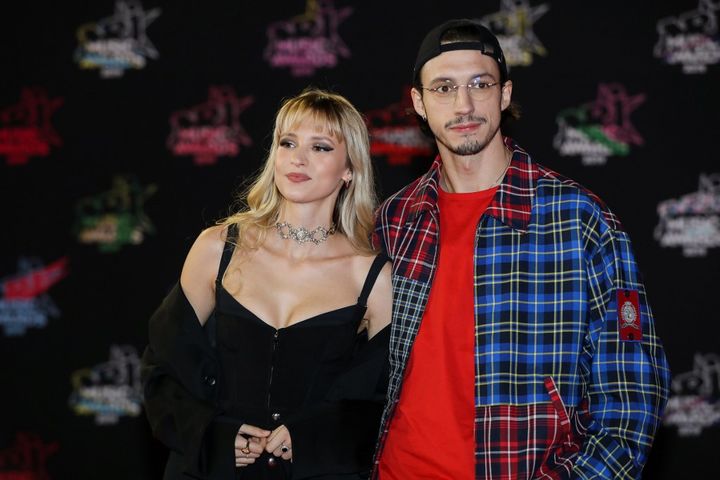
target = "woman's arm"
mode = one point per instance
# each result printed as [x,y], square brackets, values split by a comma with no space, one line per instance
[180,371]
[379,311]
[200,270]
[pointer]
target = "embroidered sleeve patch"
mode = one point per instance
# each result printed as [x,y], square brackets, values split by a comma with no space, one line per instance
[629,318]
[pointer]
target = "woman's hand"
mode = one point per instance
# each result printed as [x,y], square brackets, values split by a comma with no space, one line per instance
[250,442]
[279,443]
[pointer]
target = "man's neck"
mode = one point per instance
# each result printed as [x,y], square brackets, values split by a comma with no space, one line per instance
[473,173]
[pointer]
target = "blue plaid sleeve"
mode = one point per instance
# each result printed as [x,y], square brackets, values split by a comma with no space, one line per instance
[627,381]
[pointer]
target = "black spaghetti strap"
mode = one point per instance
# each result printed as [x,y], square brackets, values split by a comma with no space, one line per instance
[372,275]
[227,251]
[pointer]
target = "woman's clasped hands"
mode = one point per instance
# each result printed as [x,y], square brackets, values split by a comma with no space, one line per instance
[251,442]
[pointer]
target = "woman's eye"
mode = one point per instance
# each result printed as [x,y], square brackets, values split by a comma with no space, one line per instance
[323,148]
[286,143]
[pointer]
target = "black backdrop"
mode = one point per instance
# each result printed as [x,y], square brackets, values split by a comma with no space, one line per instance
[125,129]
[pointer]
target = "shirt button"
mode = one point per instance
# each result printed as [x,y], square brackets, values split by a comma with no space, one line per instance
[272,462]
[275,417]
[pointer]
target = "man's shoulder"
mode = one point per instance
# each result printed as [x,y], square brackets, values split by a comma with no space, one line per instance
[555,187]
[398,202]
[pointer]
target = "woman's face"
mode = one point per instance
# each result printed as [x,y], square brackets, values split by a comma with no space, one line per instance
[310,164]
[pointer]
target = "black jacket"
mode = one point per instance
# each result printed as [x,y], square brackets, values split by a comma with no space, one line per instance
[182,384]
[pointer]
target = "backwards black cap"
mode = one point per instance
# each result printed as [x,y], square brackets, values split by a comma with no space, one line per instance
[488,44]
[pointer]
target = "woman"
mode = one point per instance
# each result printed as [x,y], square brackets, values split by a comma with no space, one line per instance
[268,360]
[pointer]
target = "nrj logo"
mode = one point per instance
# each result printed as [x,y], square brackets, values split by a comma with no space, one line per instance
[513,25]
[601,128]
[690,39]
[309,41]
[25,128]
[109,390]
[118,42]
[27,458]
[116,217]
[210,129]
[694,404]
[25,302]
[395,134]
[693,220]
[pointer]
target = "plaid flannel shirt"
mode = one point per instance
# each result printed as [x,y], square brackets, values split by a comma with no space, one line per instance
[558,394]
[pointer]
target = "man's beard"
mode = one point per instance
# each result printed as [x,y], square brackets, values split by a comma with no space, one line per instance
[468,147]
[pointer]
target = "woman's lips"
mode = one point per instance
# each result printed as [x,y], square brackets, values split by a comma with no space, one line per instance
[297,177]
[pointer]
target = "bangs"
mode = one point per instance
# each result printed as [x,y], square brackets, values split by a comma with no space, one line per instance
[322,112]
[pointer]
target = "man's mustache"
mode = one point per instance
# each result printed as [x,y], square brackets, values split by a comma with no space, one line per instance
[467,119]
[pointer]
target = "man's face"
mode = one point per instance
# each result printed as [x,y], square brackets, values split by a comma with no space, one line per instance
[463,125]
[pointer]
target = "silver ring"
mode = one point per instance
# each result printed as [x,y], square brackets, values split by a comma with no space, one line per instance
[284,448]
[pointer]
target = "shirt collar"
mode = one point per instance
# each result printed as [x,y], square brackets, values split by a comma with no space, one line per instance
[512,203]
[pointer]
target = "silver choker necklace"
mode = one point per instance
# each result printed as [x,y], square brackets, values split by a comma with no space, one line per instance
[303,235]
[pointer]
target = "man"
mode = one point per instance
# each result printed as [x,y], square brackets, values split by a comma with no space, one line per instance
[522,343]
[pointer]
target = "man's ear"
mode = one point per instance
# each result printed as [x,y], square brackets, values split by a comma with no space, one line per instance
[418,103]
[506,93]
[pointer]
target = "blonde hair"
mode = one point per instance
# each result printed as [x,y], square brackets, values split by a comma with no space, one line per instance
[355,204]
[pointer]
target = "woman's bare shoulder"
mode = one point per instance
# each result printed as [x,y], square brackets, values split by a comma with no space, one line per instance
[362,263]
[207,247]
[214,234]
[379,301]
[200,269]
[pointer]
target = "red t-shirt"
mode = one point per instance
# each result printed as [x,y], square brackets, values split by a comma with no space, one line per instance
[432,433]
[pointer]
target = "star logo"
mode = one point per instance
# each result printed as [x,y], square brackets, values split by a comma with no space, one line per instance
[692,221]
[118,42]
[25,128]
[612,109]
[116,217]
[601,128]
[690,38]
[395,134]
[212,128]
[27,457]
[25,301]
[309,41]
[513,25]
[111,389]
